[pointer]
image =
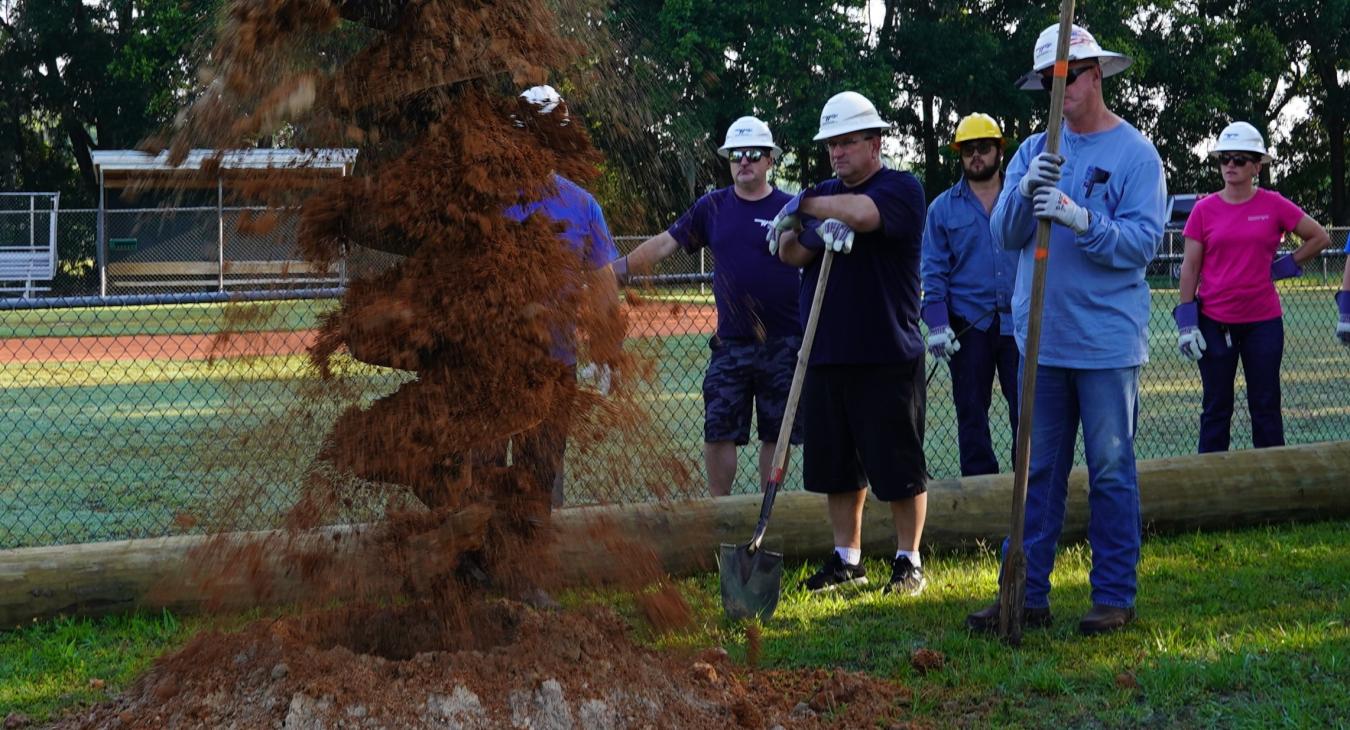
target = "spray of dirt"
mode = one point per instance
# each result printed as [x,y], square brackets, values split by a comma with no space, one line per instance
[442,538]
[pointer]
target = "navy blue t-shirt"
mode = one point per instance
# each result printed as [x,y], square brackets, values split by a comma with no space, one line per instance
[754,291]
[870,313]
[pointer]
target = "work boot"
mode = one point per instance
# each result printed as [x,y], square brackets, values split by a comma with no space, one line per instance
[1103,619]
[985,620]
[906,578]
[834,574]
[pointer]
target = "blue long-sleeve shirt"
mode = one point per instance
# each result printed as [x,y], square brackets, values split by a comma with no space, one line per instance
[1095,314]
[962,266]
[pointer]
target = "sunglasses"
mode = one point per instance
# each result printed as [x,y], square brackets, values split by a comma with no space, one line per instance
[1236,160]
[752,155]
[1048,80]
[979,147]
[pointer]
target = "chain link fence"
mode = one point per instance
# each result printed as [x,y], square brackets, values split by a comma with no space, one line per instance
[186,403]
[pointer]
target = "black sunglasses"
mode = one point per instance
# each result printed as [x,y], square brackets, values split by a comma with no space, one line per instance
[1238,160]
[751,155]
[978,147]
[1048,80]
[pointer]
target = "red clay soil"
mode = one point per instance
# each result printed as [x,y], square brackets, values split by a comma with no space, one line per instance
[648,319]
[518,668]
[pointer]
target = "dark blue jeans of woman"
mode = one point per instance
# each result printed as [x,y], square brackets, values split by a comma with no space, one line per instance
[1259,346]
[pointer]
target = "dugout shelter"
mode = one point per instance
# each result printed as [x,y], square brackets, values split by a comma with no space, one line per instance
[216,221]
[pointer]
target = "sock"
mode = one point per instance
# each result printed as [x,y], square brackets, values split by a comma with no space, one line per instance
[912,555]
[852,556]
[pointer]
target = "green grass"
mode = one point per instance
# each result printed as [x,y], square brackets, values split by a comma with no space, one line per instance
[1235,629]
[169,319]
[1244,629]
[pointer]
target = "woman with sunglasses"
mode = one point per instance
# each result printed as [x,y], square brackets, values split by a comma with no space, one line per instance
[1229,310]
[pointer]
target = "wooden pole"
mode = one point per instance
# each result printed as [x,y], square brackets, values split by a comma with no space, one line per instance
[1178,494]
[1013,579]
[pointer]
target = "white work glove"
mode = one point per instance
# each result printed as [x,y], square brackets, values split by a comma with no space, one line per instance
[831,233]
[1189,340]
[1042,172]
[787,219]
[596,377]
[1053,205]
[942,343]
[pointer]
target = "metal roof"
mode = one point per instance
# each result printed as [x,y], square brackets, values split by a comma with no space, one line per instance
[249,159]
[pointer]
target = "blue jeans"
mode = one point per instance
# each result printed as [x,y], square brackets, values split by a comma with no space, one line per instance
[1260,347]
[1106,402]
[973,368]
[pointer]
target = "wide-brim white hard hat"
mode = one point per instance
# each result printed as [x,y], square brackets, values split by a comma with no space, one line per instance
[1082,47]
[749,132]
[847,112]
[1241,137]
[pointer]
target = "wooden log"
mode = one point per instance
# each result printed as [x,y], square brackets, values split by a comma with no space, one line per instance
[1185,493]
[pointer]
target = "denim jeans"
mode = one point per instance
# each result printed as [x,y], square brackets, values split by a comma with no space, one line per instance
[973,368]
[1106,402]
[1260,347]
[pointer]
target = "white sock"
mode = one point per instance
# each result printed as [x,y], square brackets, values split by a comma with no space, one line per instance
[852,556]
[912,555]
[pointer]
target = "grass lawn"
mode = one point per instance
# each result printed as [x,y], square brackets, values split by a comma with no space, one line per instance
[1236,629]
[167,319]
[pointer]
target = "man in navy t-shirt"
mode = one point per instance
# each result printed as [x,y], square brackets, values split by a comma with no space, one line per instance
[863,400]
[758,333]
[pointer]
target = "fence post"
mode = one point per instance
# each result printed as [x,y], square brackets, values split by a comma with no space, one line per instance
[702,270]
[220,232]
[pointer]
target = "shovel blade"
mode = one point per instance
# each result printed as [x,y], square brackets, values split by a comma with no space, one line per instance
[751,581]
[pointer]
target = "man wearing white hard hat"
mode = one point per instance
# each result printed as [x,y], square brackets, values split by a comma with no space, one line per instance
[1105,196]
[967,293]
[1229,310]
[863,398]
[755,347]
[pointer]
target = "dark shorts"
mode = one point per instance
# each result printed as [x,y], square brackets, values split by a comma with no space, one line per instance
[742,373]
[864,426]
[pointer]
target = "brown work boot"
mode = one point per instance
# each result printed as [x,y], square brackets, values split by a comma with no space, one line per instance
[1102,619]
[985,620]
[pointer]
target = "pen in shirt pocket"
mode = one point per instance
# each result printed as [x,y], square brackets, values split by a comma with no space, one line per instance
[1095,175]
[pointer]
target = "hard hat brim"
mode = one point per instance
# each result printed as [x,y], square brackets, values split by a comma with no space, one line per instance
[956,146]
[851,128]
[1111,62]
[1266,157]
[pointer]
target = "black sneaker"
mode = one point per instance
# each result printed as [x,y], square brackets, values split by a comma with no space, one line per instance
[906,578]
[835,573]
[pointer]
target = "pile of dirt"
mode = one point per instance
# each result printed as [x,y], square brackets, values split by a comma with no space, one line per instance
[517,668]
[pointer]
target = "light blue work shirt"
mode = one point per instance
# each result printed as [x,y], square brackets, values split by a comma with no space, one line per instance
[962,265]
[1095,314]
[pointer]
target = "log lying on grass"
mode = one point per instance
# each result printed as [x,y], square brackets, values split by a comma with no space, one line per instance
[1182,493]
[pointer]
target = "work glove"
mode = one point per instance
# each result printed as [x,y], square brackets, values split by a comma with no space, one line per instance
[620,268]
[942,342]
[1285,267]
[596,377]
[1042,172]
[831,233]
[1343,328]
[1189,340]
[789,218]
[1053,205]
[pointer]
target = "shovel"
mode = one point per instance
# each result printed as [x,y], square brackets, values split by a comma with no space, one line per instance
[751,577]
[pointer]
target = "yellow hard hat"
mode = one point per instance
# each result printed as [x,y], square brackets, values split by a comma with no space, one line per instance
[976,126]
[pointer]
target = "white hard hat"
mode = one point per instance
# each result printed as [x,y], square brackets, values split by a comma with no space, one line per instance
[749,132]
[1241,137]
[545,99]
[1082,46]
[848,112]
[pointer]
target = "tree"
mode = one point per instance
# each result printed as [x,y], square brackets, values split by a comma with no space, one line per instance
[77,76]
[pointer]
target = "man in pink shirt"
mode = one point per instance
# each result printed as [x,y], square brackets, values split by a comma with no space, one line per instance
[1229,309]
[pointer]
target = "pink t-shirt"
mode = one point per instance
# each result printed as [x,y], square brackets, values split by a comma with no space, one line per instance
[1239,243]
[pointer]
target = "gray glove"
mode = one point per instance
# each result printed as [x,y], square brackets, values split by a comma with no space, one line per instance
[1043,171]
